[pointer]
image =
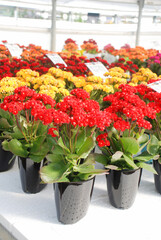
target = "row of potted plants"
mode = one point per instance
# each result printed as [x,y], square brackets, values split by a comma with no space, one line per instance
[55,136]
[57,139]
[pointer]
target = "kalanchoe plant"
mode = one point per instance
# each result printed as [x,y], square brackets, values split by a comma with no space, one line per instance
[153,100]
[124,140]
[73,136]
[24,109]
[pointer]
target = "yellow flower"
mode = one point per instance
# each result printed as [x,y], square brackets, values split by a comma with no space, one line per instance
[94,79]
[88,88]
[64,92]
[116,69]
[108,89]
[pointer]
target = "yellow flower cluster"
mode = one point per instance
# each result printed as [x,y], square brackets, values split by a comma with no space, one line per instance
[53,91]
[58,73]
[94,79]
[8,85]
[115,77]
[46,79]
[142,76]
[27,75]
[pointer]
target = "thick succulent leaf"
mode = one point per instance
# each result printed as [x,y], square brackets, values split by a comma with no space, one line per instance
[37,144]
[130,145]
[116,156]
[153,145]
[62,145]
[130,161]
[86,147]
[58,150]
[4,114]
[80,139]
[145,156]
[41,128]
[36,158]
[112,167]
[97,157]
[4,124]
[146,166]
[55,157]
[143,139]
[17,133]
[54,172]
[17,149]
[89,170]
[5,145]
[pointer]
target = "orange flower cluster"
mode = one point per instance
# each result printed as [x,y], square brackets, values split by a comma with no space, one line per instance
[90,47]
[136,53]
[32,52]
[4,52]
[71,47]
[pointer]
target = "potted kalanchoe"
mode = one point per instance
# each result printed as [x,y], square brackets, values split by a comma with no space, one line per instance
[122,143]
[73,135]
[28,139]
[153,100]
[7,159]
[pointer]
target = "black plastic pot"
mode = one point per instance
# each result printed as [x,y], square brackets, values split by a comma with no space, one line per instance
[5,157]
[72,200]
[123,186]
[29,175]
[157,178]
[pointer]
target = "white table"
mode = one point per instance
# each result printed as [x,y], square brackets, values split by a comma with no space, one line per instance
[33,216]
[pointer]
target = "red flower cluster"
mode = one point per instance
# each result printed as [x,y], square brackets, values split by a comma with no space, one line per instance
[128,108]
[27,99]
[125,65]
[69,40]
[82,111]
[102,140]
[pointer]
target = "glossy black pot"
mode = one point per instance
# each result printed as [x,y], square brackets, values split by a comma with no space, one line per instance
[123,186]
[29,175]
[157,178]
[5,160]
[72,200]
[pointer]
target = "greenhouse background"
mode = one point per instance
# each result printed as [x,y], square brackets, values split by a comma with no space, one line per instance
[115,21]
[80,119]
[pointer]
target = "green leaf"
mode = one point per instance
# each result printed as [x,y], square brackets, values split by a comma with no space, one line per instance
[145,156]
[4,114]
[55,157]
[61,144]
[112,167]
[5,145]
[80,139]
[130,162]
[41,128]
[4,124]
[130,145]
[97,157]
[153,145]
[143,139]
[86,147]
[146,166]
[116,156]
[89,170]
[17,133]
[17,149]
[36,158]
[37,144]
[58,150]
[54,172]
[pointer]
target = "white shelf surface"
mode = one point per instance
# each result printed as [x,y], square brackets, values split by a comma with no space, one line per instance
[33,216]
